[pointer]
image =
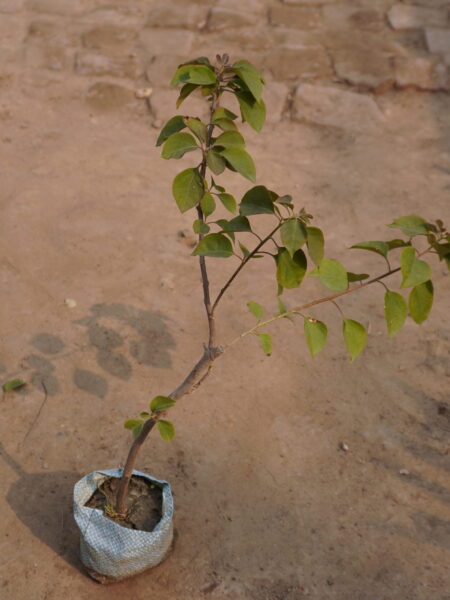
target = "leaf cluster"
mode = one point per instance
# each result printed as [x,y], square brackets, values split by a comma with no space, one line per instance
[296,247]
[157,406]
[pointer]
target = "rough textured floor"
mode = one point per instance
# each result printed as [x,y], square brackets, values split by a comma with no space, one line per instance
[268,507]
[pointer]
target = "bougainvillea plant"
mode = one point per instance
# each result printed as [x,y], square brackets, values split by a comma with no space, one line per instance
[296,248]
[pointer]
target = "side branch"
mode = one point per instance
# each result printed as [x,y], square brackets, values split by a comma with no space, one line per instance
[298,309]
[242,265]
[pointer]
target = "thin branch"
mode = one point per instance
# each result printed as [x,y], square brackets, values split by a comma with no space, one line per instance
[384,285]
[298,309]
[242,265]
[338,307]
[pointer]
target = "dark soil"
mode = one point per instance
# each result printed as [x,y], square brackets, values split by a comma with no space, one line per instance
[144,503]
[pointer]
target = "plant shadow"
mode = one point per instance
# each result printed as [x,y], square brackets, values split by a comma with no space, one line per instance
[43,503]
[426,443]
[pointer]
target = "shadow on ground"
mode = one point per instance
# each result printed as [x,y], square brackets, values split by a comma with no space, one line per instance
[120,335]
[43,502]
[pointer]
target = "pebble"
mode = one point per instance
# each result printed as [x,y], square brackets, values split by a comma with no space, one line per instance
[143,93]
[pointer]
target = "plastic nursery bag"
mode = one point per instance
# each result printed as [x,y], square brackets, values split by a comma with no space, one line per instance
[113,551]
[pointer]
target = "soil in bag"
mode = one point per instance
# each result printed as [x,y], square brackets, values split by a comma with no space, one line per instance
[144,503]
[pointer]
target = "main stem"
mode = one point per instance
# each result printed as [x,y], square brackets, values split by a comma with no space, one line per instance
[210,353]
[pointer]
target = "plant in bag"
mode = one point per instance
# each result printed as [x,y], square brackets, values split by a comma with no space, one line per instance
[294,249]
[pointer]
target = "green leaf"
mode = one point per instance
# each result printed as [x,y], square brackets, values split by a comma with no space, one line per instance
[187,189]
[421,301]
[257,201]
[266,343]
[250,76]
[198,74]
[230,139]
[200,227]
[315,242]
[293,235]
[395,311]
[256,309]
[241,161]
[352,277]
[225,124]
[223,113]
[197,127]
[397,243]
[172,126]
[414,271]
[208,204]
[411,225]
[200,60]
[166,430]
[135,426]
[333,275]
[237,224]
[290,270]
[286,200]
[217,187]
[216,245]
[215,162]
[160,403]
[178,144]
[355,337]
[13,384]
[381,248]
[245,251]
[316,334]
[229,202]
[144,415]
[131,423]
[185,91]
[442,249]
[252,111]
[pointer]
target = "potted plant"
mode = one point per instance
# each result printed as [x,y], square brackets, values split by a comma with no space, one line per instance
[125,516]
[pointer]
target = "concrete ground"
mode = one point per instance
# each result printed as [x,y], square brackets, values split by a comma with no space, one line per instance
[101,305]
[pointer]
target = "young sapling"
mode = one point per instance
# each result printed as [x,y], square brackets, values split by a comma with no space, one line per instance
[293,243]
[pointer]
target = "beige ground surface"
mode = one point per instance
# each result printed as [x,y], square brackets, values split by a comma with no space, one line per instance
[267,505]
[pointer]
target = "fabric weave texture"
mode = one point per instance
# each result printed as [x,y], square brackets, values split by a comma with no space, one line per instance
[110,549]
